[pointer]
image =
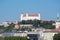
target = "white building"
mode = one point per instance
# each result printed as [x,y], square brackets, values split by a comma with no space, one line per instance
[30,16]
[57,24]
[6,24]
[16,25]
[48,35]
[33,35]
[26,25]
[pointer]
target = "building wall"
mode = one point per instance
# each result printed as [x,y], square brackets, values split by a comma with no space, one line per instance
[48,35]
[13,34]
[26,25]
[57,24]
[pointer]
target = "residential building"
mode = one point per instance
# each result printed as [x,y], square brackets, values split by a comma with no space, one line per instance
[16,25]
[5,24]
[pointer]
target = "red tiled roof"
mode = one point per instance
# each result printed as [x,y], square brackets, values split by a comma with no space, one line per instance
[55,30]
[33,14]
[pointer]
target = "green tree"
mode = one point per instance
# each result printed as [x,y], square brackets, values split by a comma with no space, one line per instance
[15,38]
[1,28]
[36,23]
[48,25]
[56,37]
[9,28]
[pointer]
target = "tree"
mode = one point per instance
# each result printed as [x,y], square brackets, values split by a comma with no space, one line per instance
[48,25]
[9,28]
[1,28]
[36,23]
[15,38]
[56,37]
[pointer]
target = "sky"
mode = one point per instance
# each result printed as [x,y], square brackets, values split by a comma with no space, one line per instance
[10,10]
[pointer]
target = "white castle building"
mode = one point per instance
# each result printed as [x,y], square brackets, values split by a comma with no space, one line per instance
[28,16]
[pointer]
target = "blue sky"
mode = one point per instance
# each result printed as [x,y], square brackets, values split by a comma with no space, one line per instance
[10,10]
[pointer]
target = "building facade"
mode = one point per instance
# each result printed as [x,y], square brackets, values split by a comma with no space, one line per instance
[57,24]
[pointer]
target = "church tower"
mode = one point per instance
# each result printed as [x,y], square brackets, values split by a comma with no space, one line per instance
[57,22]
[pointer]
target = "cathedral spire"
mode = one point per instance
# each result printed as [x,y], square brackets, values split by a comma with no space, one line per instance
[57,15]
